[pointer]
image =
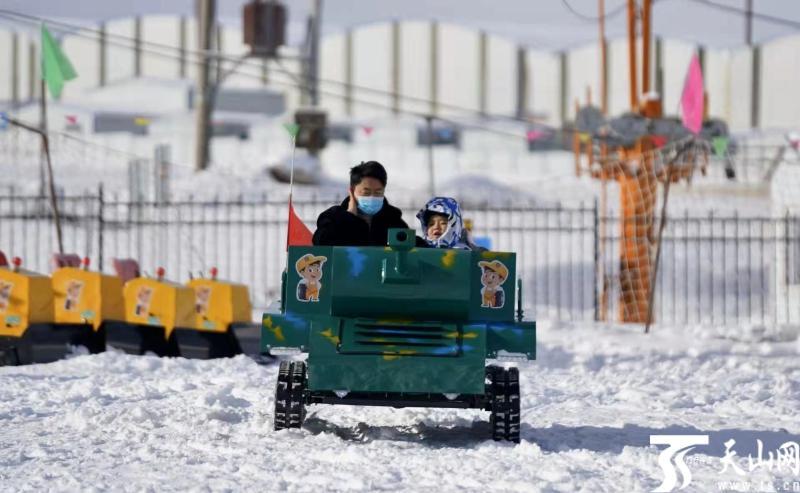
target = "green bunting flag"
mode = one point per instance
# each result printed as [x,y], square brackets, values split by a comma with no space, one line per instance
[56,67]
[720,145]
[292,128]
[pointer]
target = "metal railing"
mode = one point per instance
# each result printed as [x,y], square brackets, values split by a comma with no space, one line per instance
[715,270]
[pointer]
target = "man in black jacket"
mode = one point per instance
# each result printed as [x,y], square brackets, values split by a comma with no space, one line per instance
[365,216]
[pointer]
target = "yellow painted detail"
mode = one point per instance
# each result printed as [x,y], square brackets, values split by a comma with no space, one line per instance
[394,321]
[449,259]
[494,255]
[329,335]
[398,354]
[470,335]
[275,329]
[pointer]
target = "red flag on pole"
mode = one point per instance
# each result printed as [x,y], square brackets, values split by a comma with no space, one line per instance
[298,233]
[692,97]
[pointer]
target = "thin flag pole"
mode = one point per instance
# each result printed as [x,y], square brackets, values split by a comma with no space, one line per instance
[293,129]
[291,167]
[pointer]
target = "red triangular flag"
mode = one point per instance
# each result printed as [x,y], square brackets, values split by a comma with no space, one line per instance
[298,233]
[659,141]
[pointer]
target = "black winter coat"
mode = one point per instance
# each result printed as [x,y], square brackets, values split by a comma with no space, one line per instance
[337,227]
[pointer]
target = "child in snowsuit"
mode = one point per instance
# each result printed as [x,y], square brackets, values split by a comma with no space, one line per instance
[442,226]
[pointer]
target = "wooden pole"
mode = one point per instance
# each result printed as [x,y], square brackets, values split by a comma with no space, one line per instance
[661,226]
[632,54]
[205,25]
[431,176]
[748,23]
[52,185]
[603,57]
[647,12]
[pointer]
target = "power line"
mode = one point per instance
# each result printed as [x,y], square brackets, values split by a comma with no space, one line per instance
[708,3]
[295,85]
[756,15]
[592,18]
[12,15]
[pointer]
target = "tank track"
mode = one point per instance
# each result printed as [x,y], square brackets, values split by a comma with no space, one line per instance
[502,391]
[290,409]
[9,356]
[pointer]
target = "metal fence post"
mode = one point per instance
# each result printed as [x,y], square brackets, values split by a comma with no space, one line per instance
[596,261]
[786,265]
[100,226]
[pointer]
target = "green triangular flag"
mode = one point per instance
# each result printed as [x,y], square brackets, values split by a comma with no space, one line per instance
[292,128]
[720,145]
[56,68]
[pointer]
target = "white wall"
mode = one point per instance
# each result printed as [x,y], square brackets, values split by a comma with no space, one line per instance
[583,67]
[717,81]
[728,72]
[162,30]
[677,56]
[618,83]
[459,67]
[502,90]
[372,66]
[543,86]
[415,63]
[740,89]
[332,67]
[87,67]
[780,83]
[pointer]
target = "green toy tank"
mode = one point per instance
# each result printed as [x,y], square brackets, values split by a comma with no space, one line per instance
[399,326]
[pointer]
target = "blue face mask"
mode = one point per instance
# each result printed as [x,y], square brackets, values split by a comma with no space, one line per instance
[369,205]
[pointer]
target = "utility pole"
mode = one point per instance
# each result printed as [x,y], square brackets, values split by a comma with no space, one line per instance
[43,129]
[313,55]
[431,179]
[206,14]
[748,23]
[632,54]
[646,18]
[601,8]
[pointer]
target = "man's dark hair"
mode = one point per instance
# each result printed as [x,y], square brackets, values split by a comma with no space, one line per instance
[370,169]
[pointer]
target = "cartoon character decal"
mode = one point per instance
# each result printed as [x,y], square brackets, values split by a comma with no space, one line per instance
[493,276]
[74,289]
[309,267]
[143,297]
[5,295]
[201,296]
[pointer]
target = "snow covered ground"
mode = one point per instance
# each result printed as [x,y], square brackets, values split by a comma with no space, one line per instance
[590,403]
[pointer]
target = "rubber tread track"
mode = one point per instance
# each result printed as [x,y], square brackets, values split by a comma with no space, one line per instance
[290,387]
[504,402]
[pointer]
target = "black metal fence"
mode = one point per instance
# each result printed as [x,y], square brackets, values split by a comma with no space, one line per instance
[715,270]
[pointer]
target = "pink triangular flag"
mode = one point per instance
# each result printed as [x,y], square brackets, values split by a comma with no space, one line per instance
[692,97]
[368,130]
[71,119]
